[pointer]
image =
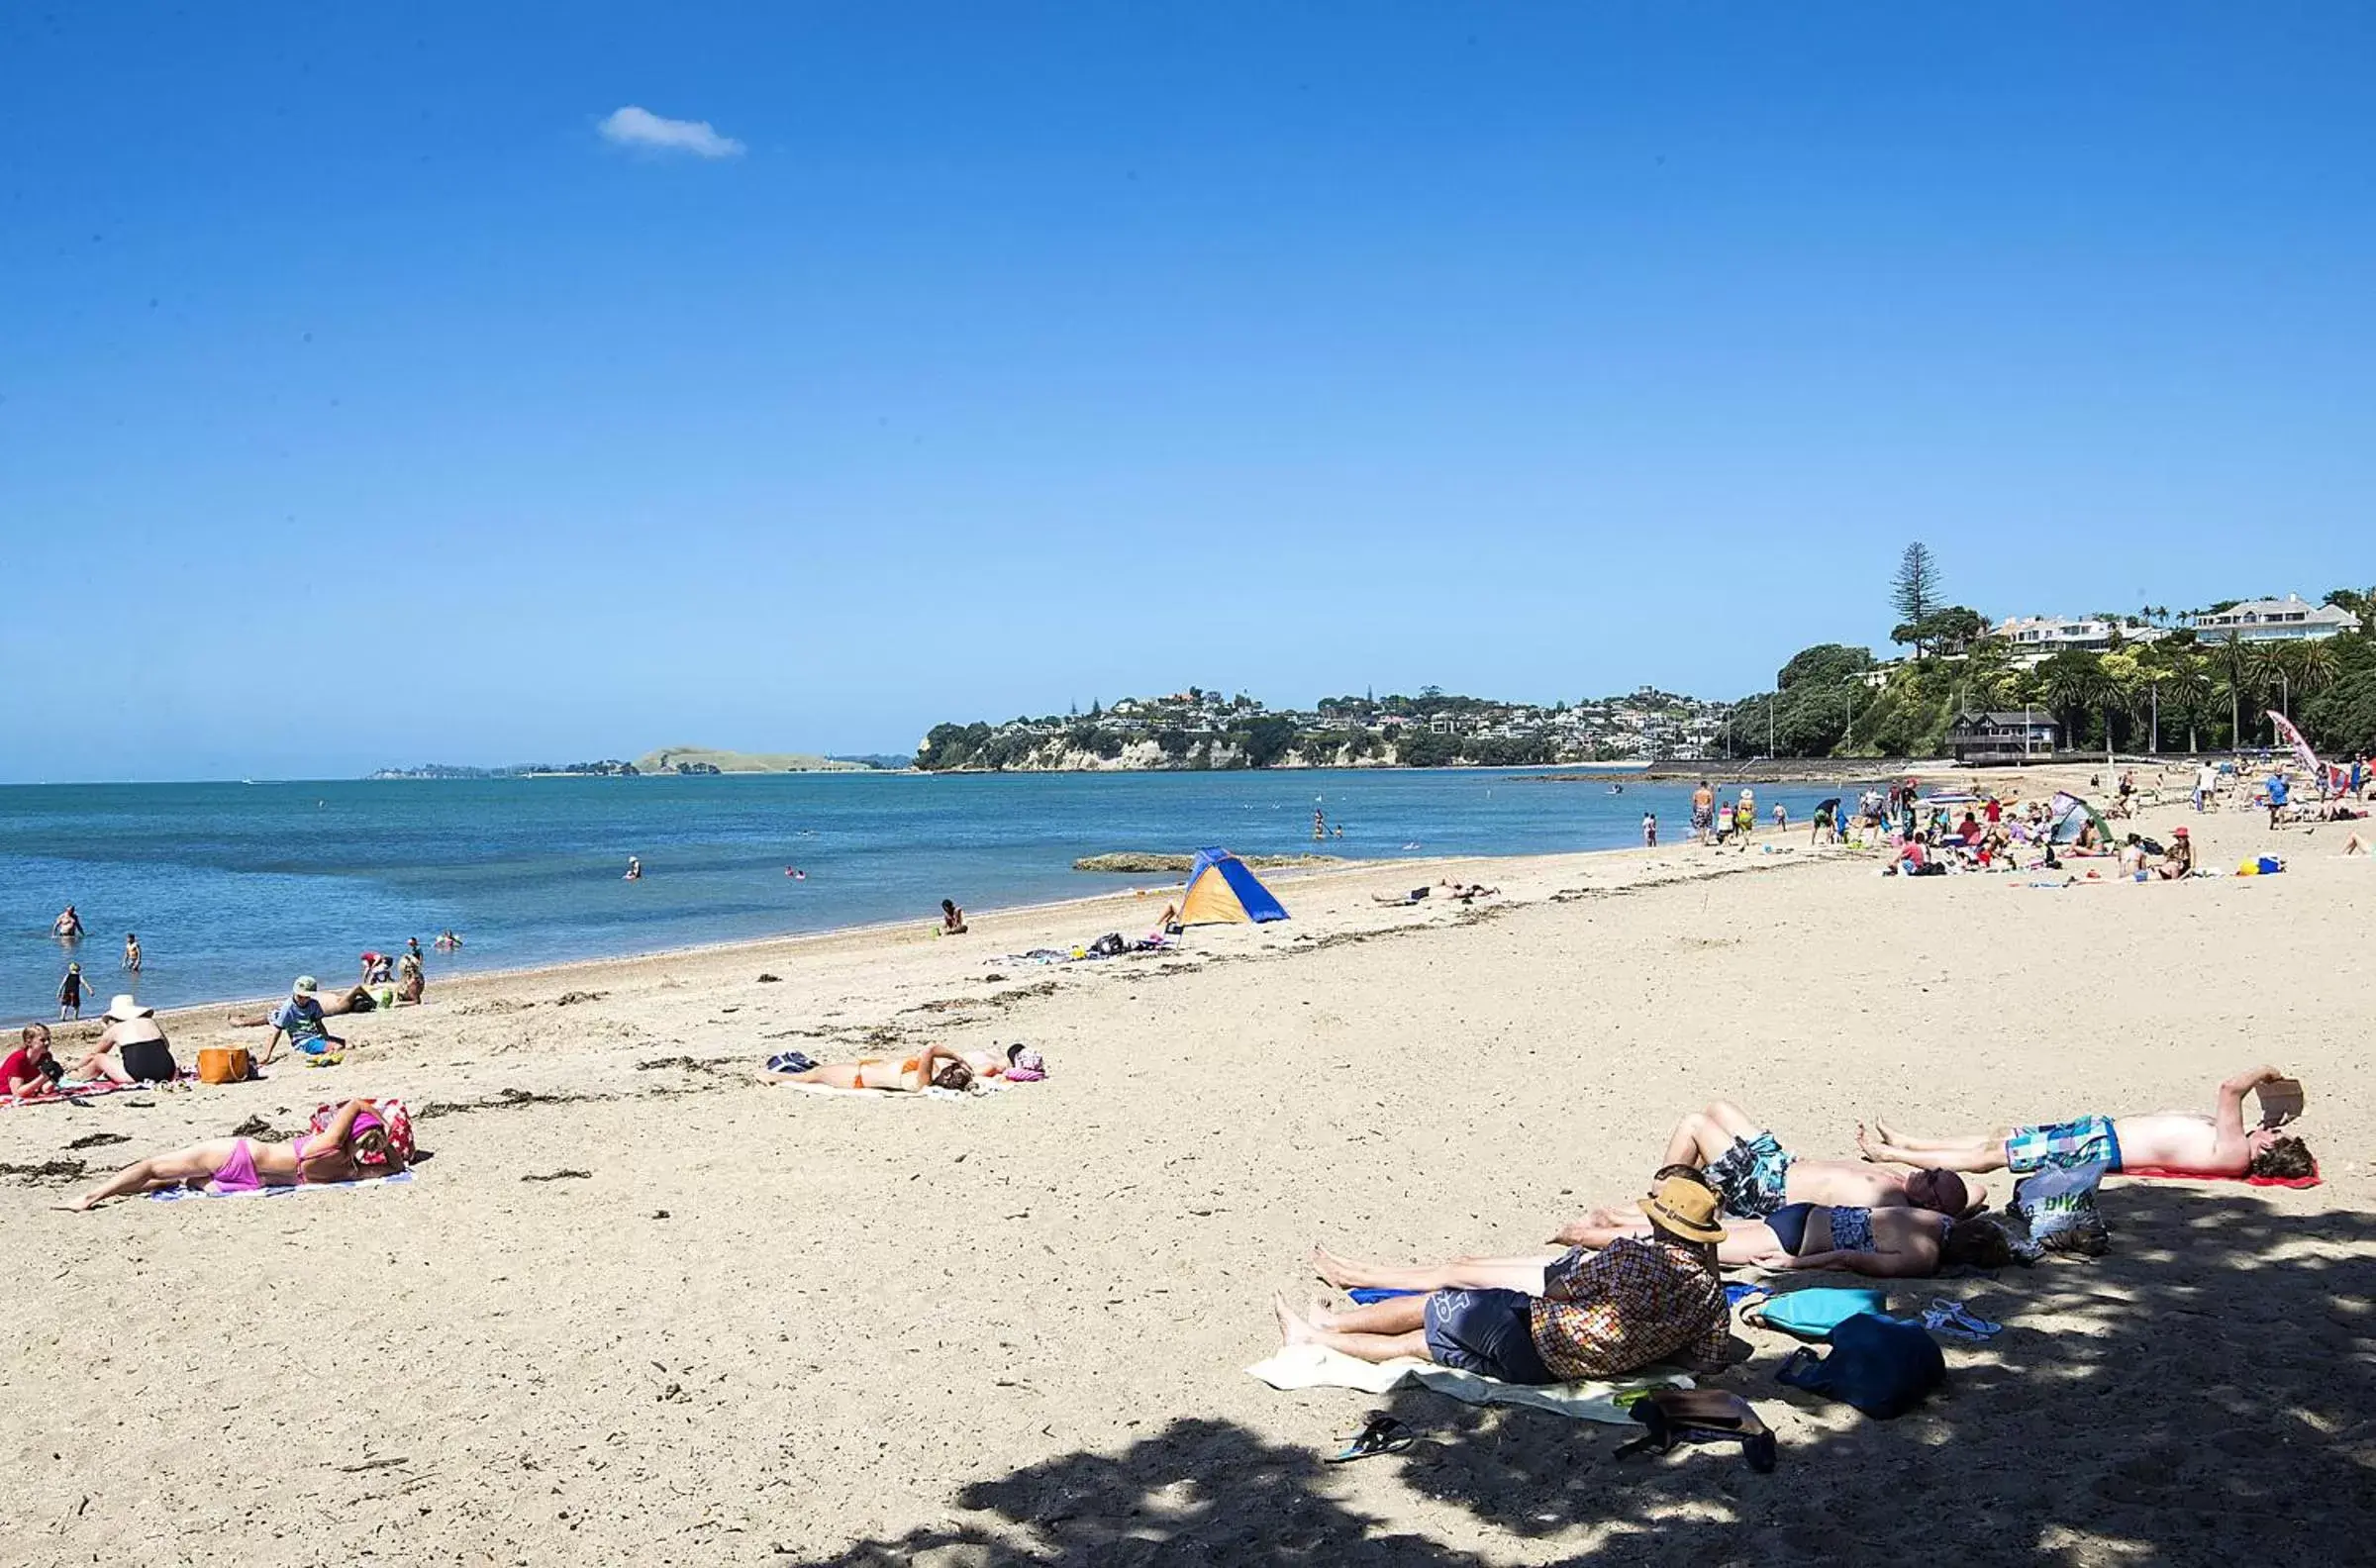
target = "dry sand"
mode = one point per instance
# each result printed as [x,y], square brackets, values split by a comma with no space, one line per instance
[767,1327]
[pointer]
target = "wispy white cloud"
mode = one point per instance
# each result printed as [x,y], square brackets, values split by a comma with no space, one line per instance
[640,128]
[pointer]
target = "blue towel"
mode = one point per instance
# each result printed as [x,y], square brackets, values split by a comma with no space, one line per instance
[175,1193]
[1364,1295]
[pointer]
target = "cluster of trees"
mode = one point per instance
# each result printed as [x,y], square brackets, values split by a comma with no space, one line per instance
[2176,692]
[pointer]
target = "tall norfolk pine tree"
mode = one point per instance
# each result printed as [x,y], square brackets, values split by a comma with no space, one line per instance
[1914,591]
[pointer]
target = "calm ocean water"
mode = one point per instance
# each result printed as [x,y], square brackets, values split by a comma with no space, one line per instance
[234,888]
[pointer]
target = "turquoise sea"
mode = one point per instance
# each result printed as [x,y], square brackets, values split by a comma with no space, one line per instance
[236,888]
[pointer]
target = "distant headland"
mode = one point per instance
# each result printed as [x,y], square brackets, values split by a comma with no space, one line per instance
[666,762]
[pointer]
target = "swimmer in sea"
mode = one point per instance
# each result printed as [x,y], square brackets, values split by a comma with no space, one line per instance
[635,870]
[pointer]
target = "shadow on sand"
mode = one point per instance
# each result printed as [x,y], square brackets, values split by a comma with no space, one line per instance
[2207,1392]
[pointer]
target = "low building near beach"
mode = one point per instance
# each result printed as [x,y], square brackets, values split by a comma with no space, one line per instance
[1980,739]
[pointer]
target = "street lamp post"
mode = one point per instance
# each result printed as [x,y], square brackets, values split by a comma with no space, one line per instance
[2157,717]
[1769,725]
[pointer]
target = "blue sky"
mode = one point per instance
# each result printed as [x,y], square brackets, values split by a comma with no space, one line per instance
[361,401]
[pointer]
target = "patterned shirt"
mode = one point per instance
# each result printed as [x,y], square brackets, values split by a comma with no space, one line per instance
[1633,1302]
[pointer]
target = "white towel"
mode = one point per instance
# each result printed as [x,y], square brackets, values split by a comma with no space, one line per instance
[1301,1366]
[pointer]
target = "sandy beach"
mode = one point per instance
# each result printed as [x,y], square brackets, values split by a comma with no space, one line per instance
[641,1308]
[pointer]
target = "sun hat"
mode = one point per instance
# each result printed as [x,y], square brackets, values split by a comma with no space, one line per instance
[1685,1207]
[304,986]
[2177,832]
[124,1007]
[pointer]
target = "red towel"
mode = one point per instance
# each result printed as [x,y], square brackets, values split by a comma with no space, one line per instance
[2163,1173]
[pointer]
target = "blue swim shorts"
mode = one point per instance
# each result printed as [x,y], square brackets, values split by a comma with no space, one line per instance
[2063,1145]
[1751,1176]
[1490,1332]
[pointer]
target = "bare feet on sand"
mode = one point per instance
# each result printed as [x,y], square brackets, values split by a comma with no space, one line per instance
[1334,1270]
[1292,1327]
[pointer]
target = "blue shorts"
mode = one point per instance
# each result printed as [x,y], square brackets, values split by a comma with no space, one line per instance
[1751,1176]
[2063,1145]
[1489,1331]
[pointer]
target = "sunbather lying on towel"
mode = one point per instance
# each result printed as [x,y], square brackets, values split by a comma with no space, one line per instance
[1754,1175]
[2218,1144]
[1897,1241]
[1588,1314]
[939,1067]
[354,1144]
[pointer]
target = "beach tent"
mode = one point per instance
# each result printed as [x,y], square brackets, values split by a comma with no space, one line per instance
[1223,889]
[2071,814]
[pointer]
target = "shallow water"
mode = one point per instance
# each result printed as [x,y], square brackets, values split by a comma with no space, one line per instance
[236,888]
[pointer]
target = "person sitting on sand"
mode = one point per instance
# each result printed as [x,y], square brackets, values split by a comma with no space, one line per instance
[1587,1315]
[354,1144]
[378,968]
[412,972]
[2178,860]
[299,1022]
[133,1034]
[2132,856]
[939,1068]
[28,1072]
[952,919]
[1754,1175]
[2217,1144]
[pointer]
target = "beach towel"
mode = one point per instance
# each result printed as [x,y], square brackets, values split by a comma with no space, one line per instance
[2165,1173]
[177,1194]
[934,1093]
[92,1090]
[1305,1366]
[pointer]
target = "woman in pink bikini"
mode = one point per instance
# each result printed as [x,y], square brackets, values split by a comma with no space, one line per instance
[354,1143]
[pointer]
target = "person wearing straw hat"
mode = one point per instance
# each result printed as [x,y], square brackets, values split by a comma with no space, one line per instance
[1637,1302]
[133,1034]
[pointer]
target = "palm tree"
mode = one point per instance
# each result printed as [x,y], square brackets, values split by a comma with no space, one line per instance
[2186,690]
[2239,677]
[2069,684]
[2316,667]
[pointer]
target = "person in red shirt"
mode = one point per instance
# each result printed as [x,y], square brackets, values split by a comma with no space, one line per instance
[1996,811]
[21,1070]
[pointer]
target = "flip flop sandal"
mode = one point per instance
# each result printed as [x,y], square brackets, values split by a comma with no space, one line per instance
[1380,1434]
[1949,1318]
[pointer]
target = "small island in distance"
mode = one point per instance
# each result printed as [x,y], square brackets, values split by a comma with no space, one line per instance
[668,761]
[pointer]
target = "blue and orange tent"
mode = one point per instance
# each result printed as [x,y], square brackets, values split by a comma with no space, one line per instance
[1223,889]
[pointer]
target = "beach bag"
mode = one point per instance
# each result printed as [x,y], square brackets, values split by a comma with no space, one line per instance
[219,1064]
[393,1116]
[1814,1313]
[1679,1415]
[2059,1210]
[1878,1364]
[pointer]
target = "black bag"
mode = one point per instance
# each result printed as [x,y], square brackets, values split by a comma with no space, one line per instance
[1880,1365]
[1674,1416]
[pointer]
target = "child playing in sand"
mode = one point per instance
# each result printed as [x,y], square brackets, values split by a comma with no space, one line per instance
[2217,1144]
